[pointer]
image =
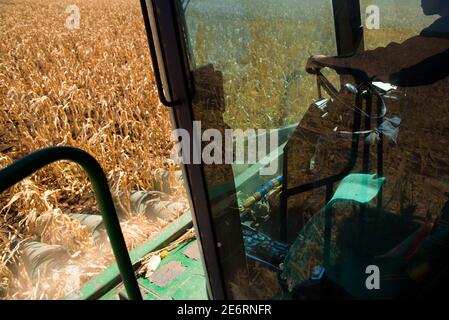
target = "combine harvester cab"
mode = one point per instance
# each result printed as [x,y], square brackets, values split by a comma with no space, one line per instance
[341,192]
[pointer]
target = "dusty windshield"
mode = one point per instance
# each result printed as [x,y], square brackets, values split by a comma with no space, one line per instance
[361,186]
[251,89]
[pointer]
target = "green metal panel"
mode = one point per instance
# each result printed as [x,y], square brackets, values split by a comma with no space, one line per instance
[190,284]
[359,187]
[110,278]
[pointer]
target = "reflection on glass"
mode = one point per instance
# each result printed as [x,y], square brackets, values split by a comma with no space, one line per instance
[247,61]
[362,187]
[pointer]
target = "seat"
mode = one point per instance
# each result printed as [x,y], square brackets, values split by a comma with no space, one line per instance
[409,261]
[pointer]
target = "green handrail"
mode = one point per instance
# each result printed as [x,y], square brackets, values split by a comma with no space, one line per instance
[28,165]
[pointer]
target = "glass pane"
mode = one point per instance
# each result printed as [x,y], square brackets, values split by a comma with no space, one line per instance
[260,51]
[389,21]
[364,166]
[248,64]
[379,149]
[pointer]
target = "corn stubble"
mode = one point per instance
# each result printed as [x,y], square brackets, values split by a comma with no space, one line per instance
[90,88]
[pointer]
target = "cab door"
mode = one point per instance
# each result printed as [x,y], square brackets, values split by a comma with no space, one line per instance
[232,74]
[311,186]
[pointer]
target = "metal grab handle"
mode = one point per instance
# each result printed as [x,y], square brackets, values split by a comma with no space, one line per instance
[154,58]
[365,85]
[28,165]
[328,182]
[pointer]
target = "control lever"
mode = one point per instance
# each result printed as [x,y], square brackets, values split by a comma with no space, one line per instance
[384,87]
[351,88]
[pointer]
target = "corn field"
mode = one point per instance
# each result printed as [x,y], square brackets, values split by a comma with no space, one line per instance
[90,88]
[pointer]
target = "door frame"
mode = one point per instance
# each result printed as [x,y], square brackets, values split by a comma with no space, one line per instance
[164,36]
[169,58]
